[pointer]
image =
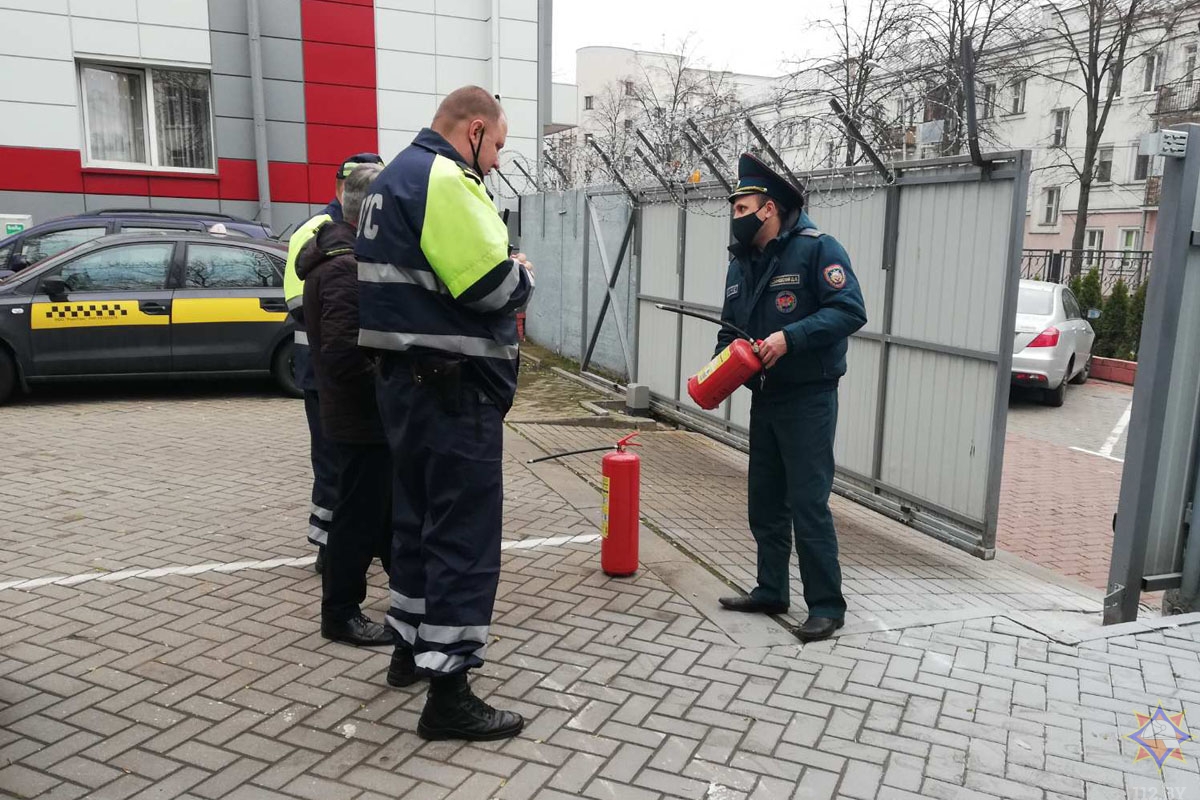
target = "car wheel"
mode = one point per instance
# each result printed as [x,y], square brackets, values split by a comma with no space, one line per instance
[1084,373]
[1055,397]
[283,369]
[8,375]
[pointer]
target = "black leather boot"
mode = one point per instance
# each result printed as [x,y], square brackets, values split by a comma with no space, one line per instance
[403,670]
[452,711]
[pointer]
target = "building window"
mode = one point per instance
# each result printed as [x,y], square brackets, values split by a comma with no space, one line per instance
[989,101]
[1062,118]
[1052,196]
[1017,97]
[1114,78]
[1131,239]
[149,117]
[1189,61]
[830,154]
[1093,240]
[1141,167]
[628,126]
[1150,67]
[806,132]
[588,102]
[629,88]
[1104,162]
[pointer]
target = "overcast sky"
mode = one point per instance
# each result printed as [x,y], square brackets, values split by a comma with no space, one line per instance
[755,37]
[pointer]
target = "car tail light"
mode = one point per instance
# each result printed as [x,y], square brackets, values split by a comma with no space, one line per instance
[1047,338]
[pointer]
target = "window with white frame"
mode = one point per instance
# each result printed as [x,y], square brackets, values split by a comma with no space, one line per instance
[1151,63]
[1093,241]
[1062,118]
[1141,167]
[147,117]
[1131,241]
[988,110]
[1016,97]
[1114,78]
[1050,201]
[1104,164]
[589,102]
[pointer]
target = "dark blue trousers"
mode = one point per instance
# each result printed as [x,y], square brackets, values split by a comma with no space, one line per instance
[447,510]
[325,472]
[791,476]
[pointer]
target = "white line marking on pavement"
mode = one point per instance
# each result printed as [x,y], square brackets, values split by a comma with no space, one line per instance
[1102,455]
[1114,437]
[238,566]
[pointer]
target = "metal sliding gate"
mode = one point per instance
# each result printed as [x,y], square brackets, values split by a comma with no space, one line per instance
[924,403]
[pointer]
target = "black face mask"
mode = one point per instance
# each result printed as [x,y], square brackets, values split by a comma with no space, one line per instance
[747,227]
[475,148]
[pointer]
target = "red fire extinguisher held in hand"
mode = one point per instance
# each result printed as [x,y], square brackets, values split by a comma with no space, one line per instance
[732,367]
[621,472]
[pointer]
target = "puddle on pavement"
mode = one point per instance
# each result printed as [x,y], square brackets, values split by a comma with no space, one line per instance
[541,394]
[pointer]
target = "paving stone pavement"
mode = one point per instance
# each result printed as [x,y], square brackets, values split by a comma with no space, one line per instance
[218,685]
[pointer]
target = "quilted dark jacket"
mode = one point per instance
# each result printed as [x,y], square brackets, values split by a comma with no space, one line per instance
[345,372]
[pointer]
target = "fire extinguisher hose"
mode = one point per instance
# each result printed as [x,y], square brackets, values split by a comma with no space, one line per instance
[571,453]
[707,318]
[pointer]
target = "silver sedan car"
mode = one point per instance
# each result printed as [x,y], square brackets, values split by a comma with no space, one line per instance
[1054,340]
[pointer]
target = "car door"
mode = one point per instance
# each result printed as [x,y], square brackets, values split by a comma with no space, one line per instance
[114,317]
[229,311]
[1086,336]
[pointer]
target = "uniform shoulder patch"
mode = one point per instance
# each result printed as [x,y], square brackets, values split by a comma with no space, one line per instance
[732,291]
[835,275]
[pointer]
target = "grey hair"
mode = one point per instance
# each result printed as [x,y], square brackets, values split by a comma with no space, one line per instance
[354,191]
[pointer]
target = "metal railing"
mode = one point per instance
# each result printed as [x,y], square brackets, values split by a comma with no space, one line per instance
[1178,98]
[1059,266]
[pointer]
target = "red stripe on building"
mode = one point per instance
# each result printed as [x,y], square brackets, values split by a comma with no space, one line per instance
[341,116]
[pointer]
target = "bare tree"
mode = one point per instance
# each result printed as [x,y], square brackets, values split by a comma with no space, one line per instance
[1086,51]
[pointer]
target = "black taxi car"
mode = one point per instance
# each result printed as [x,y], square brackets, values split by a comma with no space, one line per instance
[148,304]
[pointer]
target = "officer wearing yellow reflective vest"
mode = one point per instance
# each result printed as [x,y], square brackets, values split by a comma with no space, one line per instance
[323,463]
[438,296]
[791,286]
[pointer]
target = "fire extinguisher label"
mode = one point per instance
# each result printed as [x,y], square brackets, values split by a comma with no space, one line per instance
[707,372]
[604,512]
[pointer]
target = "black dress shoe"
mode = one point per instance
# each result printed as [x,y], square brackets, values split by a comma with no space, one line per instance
[358,631]
[452,711]
[319,564]
[815,629]
[403,669]
[744,602]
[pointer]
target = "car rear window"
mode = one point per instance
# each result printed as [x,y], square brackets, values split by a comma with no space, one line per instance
[1035,301]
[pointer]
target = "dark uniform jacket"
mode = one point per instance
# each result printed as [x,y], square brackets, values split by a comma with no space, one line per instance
[433,267]
[345,373]
[801,284]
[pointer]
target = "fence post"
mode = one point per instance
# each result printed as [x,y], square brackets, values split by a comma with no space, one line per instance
[1056,260]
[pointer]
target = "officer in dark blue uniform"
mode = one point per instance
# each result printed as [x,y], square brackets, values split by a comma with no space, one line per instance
[791,286]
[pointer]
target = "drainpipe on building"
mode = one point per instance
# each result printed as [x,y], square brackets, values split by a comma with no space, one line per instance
[260,112]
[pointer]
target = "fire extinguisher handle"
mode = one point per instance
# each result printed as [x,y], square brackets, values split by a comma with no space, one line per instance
[626,441]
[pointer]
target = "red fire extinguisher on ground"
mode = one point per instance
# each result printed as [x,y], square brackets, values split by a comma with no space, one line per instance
[619,528]
[733,366]
[621,471]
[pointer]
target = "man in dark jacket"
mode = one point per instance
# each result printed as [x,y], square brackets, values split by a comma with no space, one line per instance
[345,377]
[791,286]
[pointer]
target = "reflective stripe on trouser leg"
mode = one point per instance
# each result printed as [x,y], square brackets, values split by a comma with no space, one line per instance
[447,498]
[324,466]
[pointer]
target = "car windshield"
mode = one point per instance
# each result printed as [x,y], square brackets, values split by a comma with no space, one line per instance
[1034,300]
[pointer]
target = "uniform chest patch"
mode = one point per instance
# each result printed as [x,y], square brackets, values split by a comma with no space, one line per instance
[784,280]
[732,291]
[835,275]
[785,302]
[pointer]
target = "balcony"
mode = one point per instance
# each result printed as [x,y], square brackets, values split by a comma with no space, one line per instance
[1178,102]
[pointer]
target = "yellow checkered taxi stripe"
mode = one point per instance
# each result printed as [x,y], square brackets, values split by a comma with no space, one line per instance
[110,314]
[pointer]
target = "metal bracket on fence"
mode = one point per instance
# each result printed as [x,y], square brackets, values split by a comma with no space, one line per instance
[554,166]
[527,176]
[854,133]
[708,162]
[613,170]
[610,274]
[658,176]
[507,182]
[770,151]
